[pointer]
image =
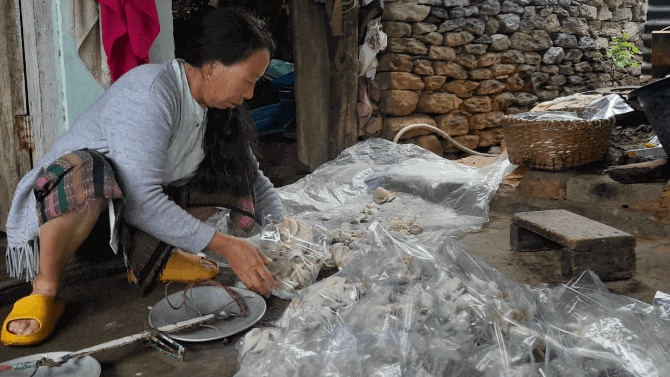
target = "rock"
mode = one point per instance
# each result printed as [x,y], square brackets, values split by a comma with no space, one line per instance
[399,80]
[395,62]
[405,12]
[454,124]
[441,53]
[657,170]
[423,67]
[438,103]
[499,55]
[392,125]
[398,102]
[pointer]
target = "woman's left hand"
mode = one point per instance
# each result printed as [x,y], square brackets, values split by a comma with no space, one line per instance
[246,261]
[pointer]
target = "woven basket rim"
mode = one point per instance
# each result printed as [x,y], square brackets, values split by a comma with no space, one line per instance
[560,123]
[556,144]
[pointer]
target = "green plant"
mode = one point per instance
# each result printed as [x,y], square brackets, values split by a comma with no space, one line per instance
[621,52]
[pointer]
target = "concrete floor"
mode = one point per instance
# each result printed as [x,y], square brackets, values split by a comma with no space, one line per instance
[107,307]
[103,306]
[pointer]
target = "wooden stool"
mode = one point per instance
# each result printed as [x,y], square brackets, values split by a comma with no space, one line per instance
[586,244]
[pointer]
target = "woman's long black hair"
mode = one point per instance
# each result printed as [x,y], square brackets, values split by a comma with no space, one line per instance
[229,143]
[228,35]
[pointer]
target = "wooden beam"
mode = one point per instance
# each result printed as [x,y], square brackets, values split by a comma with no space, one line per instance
[344,82]
[312,89]
[660,53]
[15,160]
[44,88]
[326,80]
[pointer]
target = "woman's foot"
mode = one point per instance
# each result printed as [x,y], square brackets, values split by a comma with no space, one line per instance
[26,327]
[185,267]
[32,319]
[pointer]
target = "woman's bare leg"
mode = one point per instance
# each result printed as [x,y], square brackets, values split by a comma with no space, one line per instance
[59,240]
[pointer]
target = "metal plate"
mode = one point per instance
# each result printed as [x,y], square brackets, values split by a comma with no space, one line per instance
[199,301]
[85,366]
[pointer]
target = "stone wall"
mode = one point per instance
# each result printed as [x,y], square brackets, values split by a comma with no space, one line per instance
[461,65]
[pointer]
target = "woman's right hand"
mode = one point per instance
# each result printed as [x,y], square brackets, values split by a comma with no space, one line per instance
[246,261]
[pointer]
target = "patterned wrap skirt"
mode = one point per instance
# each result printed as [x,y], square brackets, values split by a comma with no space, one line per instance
[80,176]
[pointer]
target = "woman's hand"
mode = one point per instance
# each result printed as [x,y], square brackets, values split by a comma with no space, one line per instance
[247,262]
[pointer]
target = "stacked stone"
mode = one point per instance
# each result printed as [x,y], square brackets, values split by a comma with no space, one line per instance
[461,65]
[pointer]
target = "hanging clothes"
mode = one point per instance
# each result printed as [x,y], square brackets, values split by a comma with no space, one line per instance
[375,41]
[129,29]
[85,28]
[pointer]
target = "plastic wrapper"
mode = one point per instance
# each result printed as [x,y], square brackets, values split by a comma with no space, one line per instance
[589,106]
[402,168]
[608,106]
[549,115]
[407,309]
[578,329]
[431,195]
[399,310]
[297,250]
[407,188]
[408,303]
[296,247]
[661,303]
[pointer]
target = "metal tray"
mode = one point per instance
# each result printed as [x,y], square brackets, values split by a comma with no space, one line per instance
[85,366]
[203,300]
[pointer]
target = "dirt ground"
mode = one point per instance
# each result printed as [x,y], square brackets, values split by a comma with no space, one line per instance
[544,267]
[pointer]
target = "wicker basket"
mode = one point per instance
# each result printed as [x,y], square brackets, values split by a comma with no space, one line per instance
[540,142]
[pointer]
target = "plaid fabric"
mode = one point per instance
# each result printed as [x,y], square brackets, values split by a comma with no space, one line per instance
[147,255]
[192,195]
[242,215]
[73,180]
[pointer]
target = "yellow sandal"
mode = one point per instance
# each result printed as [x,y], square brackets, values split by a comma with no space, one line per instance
[185,267]
[44,309]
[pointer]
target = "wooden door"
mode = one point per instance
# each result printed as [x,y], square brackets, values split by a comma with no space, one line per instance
[15,138]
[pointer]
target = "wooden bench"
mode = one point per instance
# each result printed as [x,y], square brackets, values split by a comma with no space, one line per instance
[586,244]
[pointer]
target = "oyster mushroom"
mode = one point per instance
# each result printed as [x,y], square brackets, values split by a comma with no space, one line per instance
[382,195]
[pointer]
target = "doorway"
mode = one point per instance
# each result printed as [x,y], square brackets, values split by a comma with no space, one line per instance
[271,104]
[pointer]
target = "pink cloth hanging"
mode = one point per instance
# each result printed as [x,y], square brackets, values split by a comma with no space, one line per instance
[129,28]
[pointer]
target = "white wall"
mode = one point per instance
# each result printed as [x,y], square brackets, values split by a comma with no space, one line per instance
[79,88]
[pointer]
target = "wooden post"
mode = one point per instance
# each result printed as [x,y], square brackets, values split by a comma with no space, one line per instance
[312,89]
[326,79]
[15,160]
[344,82]
[660,53]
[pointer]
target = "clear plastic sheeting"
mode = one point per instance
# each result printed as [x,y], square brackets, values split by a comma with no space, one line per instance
[662,304]
[407,300]
[297,250]
[405,309]
[608,106]
[602,107]
[403,168]
[588,106]
[548,115]
[411,191]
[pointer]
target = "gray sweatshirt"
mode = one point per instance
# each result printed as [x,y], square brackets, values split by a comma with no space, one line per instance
[132,124]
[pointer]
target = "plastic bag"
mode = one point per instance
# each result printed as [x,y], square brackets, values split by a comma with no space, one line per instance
[297,250]
[409,304]
[408,309]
